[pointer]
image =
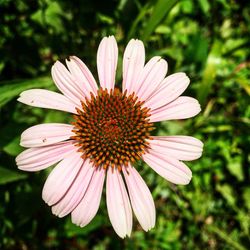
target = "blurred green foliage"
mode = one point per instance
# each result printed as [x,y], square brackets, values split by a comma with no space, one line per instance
[209,40]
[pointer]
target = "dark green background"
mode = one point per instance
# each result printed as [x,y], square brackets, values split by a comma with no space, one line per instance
[209,40]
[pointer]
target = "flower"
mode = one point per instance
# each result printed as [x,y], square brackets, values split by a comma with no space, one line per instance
[111,130]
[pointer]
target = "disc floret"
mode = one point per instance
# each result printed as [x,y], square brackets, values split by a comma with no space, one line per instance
[111,128]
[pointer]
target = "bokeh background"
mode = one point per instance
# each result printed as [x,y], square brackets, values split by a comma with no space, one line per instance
[209,40]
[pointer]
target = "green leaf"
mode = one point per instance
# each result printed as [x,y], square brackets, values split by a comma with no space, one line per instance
[246,195]
[13,148]
[187,7]
[227,192]
[198,48]
[208,78]
[244,220]
[12,89]
[50,16]
[142,13]
[244,83]
[235,168]
[105,19]
[205,6]
[160,11]
[7,176]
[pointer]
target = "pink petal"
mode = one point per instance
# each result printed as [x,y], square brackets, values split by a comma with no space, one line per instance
[150,77]
[47,99]
[185,148]
[168,167]
[107,56]
[46,134]
[66,83]
[88,207]
[181,108]
[76,191]
[141,198]
[133,63]
[171,88]
[61,178]
[119,209]
[82,75]
[35,159]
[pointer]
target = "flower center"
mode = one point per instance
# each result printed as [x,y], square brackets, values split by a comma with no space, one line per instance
[112,128]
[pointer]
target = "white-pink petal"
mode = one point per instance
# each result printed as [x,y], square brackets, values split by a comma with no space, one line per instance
[170,88]
[150,77]
[89,205]
[185,148]
[133,63]
[66,83]
[43,98]
[118,204]
[107,56]
[181,108]
[141,198]
[76,191]
[61,178]
[168,167]
[35,159]
[46,134]
[83,77]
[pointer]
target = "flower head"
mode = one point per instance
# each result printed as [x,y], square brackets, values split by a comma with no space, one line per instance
[111,130]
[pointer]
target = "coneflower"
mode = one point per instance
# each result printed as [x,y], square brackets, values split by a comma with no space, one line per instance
[111,130]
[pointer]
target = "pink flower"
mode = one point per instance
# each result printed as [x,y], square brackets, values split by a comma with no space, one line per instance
[110,132]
